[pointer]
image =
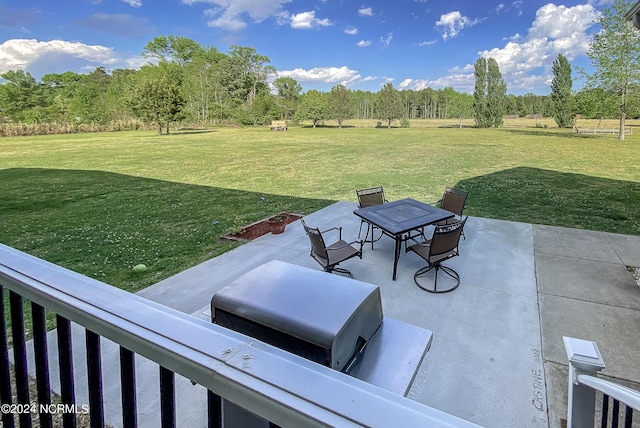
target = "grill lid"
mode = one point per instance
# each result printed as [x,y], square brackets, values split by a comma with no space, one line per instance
[329,311]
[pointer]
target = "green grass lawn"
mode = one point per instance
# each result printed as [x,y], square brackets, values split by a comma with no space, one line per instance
[100,204]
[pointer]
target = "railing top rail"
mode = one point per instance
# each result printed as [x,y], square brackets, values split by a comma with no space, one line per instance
[621,393]
[281,387]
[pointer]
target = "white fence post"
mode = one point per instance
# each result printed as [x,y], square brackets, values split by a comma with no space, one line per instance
[584,357]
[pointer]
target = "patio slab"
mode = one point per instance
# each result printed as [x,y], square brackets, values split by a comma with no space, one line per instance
[577,243]
[586,280]
[486,347]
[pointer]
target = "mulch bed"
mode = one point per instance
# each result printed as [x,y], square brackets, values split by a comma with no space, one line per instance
[262,227]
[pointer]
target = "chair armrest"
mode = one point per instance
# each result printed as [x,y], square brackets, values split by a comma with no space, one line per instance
[412,237]
[424,243]
[338,228]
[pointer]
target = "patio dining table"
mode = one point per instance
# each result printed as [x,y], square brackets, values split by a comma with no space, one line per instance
[398,218]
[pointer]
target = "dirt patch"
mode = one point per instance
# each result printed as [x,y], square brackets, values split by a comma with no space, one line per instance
[274,224]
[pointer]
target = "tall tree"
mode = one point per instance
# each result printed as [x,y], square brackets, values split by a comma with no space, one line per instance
[480,94]
[339,104]
[389,105]
[496,93]
[461,106]
[288,94]
[490,93]
[157,97]
[312,106]
[201,85]
[253,68]
[172,49]
[561,95]
[615,56]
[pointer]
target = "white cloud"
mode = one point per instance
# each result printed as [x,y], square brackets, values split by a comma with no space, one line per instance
[365,11]
[364,43]
[341,75]
[19,54]
[308,20]
[518,6]
[556,29]
[427,43]
[133,3]
[386,41]
[231,14]
[560,21]
[461,81]
[352,31]
[453,22]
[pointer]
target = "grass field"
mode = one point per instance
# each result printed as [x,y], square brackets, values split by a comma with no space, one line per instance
[100,204]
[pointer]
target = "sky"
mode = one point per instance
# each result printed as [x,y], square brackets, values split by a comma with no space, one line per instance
[413,44]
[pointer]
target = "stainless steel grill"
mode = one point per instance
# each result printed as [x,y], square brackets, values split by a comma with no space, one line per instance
[332,320]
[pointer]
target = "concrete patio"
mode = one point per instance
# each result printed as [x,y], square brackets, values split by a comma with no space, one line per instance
[497,357]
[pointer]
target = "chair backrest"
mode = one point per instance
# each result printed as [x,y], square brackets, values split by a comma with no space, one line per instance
[370,197]
[318,246]
[454,200]
[445,240]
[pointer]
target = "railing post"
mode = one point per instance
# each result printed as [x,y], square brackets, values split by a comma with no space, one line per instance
[584,357]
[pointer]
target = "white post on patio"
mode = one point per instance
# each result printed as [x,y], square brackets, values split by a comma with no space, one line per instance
[584,358]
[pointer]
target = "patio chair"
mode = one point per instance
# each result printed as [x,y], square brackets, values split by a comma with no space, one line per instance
[442,246]
[367,198]
[329,256]
[453,200]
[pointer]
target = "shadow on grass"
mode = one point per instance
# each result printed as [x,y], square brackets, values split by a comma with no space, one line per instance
[326,126]
[189,131]
[540,196]
[537,132]
[103,224]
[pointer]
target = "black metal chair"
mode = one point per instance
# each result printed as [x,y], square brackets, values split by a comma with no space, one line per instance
[368,198]
[442,246]
[453,200]
[329,256]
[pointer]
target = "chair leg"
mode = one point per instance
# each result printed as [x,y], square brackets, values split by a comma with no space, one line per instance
[370,229]
[360,230]
[340,270]
[437,267]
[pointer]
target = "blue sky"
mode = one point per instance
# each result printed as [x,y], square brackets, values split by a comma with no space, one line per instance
[363,44]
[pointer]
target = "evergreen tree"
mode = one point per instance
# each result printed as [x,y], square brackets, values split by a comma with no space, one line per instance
[562,107]
[615,55]
[480,94]
[389,106]
[489,95]
[496,94]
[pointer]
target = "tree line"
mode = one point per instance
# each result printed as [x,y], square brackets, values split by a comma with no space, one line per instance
[195,85]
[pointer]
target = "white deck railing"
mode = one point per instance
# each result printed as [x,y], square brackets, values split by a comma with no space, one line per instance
[585,361]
